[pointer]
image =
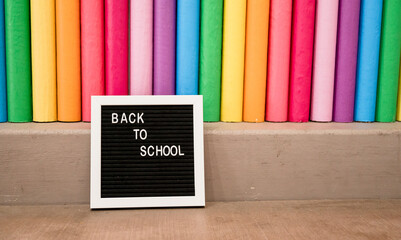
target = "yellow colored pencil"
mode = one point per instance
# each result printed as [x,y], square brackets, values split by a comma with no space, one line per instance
[399,98]
[233,60]
[43,40]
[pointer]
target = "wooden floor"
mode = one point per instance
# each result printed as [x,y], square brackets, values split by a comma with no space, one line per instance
[365,219]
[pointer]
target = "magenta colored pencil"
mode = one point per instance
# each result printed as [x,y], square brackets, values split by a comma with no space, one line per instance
[346,60]
[164,31]
[303,26]
[116,41]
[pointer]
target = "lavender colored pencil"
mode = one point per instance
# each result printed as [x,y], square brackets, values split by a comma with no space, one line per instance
[164,31]
[346,60]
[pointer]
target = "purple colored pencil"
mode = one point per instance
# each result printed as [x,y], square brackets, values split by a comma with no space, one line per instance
[346,60]
[164,31]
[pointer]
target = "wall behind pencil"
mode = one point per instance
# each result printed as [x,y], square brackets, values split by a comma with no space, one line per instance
[255,60]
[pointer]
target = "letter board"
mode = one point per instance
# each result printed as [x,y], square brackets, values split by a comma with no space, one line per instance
[147,151]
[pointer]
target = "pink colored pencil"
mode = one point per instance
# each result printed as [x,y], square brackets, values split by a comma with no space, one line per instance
[278,60]
[141,37]
[116,41]
[92,53]
[303,26]
[324,60]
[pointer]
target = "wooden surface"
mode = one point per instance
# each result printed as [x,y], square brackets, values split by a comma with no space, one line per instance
[49,163]
[354,220]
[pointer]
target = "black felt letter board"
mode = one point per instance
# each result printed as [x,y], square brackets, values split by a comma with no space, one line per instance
[127,173]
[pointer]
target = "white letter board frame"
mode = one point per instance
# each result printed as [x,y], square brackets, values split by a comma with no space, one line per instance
[97,202]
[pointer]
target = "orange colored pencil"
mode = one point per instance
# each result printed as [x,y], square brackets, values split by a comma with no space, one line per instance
[68,60]
[257,26]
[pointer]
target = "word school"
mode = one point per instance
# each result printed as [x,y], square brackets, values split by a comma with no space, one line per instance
[142,134]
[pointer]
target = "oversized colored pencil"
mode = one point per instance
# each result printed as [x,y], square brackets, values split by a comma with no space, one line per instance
[324,60]
[389,63]
[368,60]
[3,85]
[18,55]
[187,47]
[257,30]
[68,61]
[399,99]
[43,37]
[92,53]
[303,26]
[211,36]
[141,37]
[116,42]
[278,61]
[164,47]
[233,60]
[346,60]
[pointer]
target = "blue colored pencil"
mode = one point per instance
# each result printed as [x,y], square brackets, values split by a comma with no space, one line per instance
[368,60]
[187,47]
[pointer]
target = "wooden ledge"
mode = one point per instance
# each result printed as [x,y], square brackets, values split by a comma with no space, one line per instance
[48,163]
